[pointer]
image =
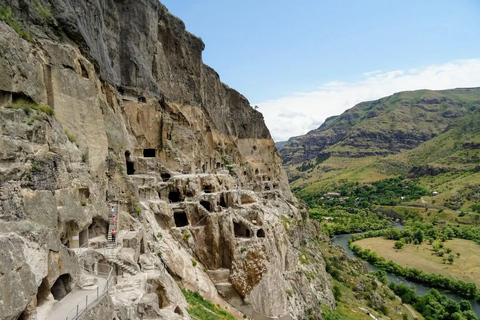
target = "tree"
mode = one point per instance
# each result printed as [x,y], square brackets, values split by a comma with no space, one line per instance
[465,305]
[418,236]
[451,258]
[398,245]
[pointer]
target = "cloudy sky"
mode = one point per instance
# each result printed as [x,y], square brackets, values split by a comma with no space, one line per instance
[302,61]
[298,113]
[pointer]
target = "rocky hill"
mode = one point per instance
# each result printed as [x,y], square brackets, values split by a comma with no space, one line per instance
[387,126]
[427,135]
[110,121]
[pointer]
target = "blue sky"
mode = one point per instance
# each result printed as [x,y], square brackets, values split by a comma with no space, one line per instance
[275,51]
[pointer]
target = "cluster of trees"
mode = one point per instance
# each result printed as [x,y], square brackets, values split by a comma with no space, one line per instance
[384,192]
[462,288]
[305,166]
[433,305]
[416,232]
[348,220]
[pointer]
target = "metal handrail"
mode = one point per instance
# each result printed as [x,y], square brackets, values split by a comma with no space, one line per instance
[95,298]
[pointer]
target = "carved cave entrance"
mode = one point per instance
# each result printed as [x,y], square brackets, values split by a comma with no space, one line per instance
[241,231]
[206,205]
[174,196]
[261,233]
[181,219]
[130,164]
[62,286]
[149,153]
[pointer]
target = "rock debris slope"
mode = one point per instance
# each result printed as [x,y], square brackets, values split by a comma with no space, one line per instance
[106,103]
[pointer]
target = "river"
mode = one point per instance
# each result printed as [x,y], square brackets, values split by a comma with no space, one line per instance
[342,240]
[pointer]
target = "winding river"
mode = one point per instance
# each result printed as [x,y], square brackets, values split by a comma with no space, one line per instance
[342,240]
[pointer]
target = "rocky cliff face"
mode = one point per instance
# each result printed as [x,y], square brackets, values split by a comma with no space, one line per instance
[383,127]
[107,104]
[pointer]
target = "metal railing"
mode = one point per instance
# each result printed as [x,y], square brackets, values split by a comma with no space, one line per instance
[92,298]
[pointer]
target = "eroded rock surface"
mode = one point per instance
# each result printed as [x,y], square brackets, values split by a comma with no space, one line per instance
[143,126]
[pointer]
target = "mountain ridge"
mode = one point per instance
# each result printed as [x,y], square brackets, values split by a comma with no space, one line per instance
[373,128]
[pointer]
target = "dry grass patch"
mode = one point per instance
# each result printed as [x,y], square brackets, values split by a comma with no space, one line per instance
[466,267]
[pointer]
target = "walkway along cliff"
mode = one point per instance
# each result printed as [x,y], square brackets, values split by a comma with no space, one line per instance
[107,103]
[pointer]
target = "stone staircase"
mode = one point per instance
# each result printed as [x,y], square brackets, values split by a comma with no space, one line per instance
[220,278]
[111,245]
[123,266]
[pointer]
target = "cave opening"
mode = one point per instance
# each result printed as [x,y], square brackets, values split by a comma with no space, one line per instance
[208,189]
[130,164]
[142,100]
[162,296]
[165,176]
[223,203]
[174,196]
[241,231]
[62,286]
[84,194]
[149,153]
[206,205]
[178,311]
[181,219]
[21,98]
[260,233]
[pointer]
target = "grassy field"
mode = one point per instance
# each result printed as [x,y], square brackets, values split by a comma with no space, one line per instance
[466,267]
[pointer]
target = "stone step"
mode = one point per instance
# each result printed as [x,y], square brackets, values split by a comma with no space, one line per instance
[219,275]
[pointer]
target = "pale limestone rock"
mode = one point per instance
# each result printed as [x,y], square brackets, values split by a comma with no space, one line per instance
[211,210]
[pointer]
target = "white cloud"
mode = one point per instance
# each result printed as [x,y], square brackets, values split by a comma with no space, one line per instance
[295,115]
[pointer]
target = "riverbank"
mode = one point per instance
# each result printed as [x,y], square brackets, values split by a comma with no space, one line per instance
[342,240]
[465,265]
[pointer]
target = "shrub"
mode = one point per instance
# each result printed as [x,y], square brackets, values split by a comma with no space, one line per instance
[85,157]
[384,309]
[28,106]
[398,245]
[186,236]
[83,203]
[70,136]
[194,262]
[7,16]
[303,259]
[337,293]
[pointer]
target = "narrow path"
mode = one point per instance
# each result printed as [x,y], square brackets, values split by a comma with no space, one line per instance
[66,307]
[412,312]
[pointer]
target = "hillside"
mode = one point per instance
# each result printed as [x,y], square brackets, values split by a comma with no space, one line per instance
[387,126]
[417,134]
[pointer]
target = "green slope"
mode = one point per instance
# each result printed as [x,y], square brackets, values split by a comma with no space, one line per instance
[448,159]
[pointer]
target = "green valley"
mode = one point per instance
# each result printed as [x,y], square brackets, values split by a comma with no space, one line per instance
[412,158]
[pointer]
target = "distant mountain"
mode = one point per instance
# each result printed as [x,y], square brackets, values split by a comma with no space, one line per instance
[280,144]
[431,136]
[387,126]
